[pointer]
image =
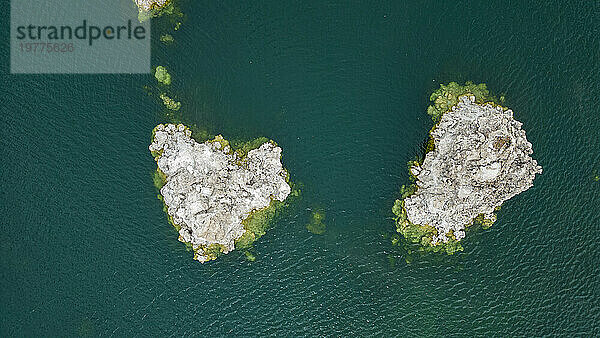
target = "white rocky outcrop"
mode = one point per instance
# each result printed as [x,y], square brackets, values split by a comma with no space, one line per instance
[481,159]
[147,5]
[209,189]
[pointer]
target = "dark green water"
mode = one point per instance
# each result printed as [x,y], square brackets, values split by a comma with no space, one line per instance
[343,88]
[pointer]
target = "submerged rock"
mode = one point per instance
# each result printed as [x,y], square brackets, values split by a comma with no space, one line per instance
[478,158]
[210,189]
[316,224]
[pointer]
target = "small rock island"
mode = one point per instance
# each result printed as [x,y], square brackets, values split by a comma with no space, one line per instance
[217,198]
[152,8]
[477,158]
[148,5]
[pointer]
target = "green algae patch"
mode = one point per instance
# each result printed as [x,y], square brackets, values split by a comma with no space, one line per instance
[415,237]
[447,96]
[168,8]
[159,179]
[169,217]
[249,256]
[243,148]
[169,102]
[221,141]
[199,134]
[316,224]
[257,224]
[162,75]
[86,328]
[212,251]
[167,39]
[482,221]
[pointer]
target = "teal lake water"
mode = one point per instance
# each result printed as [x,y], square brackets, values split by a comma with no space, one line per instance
[343,88]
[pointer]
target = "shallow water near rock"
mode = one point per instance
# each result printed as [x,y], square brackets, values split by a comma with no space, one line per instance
[343,89]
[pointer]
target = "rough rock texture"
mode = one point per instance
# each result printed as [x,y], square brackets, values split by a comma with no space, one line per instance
[147,5]
[209,189]
[481,159]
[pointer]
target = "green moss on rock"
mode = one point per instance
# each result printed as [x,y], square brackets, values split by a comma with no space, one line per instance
[447,96]
[159,179]
[212,251]
[242,148]
[221,141]
[167,39]
[417,238]
[482,221]
[257,224]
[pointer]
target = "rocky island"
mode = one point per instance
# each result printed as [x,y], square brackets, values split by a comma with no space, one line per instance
[477,158]
[217,198]
[148,5]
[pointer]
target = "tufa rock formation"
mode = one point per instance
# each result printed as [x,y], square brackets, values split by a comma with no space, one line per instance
[209,189]
[479,158]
